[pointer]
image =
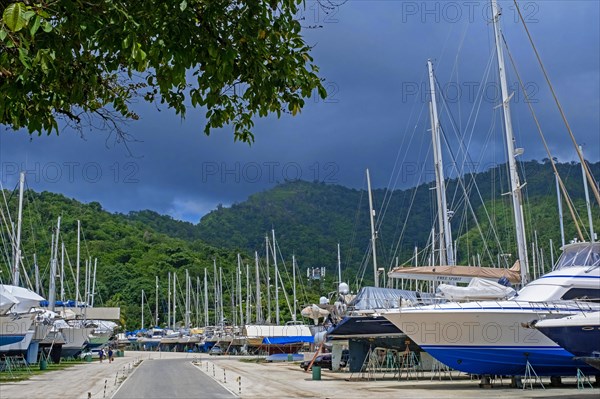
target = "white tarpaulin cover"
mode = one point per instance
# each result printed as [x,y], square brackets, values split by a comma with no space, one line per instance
[477,289]
[27,299]
[7,300]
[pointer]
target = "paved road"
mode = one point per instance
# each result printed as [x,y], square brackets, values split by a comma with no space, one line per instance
[170,378]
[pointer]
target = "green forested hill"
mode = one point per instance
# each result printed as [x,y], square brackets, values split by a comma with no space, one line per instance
[130,253]
[309,220]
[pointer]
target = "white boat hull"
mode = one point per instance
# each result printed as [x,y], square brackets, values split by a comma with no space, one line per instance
[489,337]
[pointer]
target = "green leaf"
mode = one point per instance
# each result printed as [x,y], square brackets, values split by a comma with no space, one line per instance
[14,16]
[24,58]
[36,25]
[27,15]
[183,5]
[47,26]
[126,42]
[3,34]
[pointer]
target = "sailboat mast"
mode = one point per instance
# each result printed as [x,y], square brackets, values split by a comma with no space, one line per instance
[52,285]
[373,232]
[339,265]
[510,147]
[294,285]
[276,279]
[205,299]
[239,288]
[54,264]
[37,274]
[587,198]
[447,254]
[86,283]
[77,262]
[197,301]
[258,299]
[174,299]
[156,305]
[142,309]
[248,295]
[62,271]
[169,302]
[216,293]
[187,299]
[17,253]
[221,315]
[94,282]
[268,279]
[560,212]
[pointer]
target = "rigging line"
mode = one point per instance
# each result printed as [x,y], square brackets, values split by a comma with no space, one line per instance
[9,259]
[539,129]
[399,241]
[468,157]
[406,192]
[301,283]
[36,205]
[394,169]
[473,117]
[31,201]
[10,225]
[412,136]
[363,265]
[424,139]
[564,118]
[445,45]
[66,282]
[461,183]
[277,249]
[456,63]
[5,245]
[465,158]
[354,230]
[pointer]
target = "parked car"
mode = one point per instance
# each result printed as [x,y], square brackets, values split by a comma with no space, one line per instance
[215,351]
[323,361]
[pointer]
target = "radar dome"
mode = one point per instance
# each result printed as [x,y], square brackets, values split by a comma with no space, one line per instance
[343,288]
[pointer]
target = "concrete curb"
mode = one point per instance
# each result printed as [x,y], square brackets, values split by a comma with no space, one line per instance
[127,378]
[235,394]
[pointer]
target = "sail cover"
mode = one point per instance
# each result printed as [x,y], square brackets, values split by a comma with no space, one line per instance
[457,274]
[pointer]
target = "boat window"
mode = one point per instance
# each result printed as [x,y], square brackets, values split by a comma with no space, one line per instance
[566,259]
[580,255]
[586,294]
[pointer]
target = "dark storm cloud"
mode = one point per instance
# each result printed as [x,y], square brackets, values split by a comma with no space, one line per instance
[373,56]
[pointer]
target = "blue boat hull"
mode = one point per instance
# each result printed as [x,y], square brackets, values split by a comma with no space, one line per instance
[11,339]
[583,341]
[480,360]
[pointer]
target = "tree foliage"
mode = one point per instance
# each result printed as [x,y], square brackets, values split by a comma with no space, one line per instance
[89,61]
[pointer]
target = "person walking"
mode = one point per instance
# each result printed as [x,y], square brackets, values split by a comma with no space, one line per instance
[110,355]
[101,355]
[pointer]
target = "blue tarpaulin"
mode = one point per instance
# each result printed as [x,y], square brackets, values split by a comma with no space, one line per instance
[287,340]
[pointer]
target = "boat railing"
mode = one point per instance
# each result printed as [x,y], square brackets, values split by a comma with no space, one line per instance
[559,307]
